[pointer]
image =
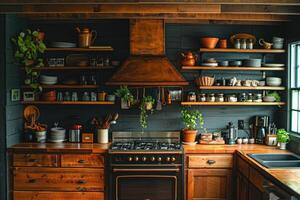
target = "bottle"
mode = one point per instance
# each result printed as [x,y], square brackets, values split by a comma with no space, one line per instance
[237,44]
[243,44]
[250,44]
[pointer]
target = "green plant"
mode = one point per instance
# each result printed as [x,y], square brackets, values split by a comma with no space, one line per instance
[124,93]
[282,136]
[143,111]
[192,118]
[275,95]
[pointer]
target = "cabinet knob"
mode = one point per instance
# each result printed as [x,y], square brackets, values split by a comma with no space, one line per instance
[81,161]
[211,162]
[81,189]
[81,181]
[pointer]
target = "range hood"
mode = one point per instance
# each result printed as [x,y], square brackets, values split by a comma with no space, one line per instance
[147,64]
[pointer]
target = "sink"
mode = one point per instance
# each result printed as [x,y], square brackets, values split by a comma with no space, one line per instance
[277,160]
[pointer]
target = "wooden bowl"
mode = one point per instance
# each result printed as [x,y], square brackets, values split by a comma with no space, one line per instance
[209,42]
[205,81]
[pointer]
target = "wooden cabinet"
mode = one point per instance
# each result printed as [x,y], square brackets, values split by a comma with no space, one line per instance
[209,176]
[41,176]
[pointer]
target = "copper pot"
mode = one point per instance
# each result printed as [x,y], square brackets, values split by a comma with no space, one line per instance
[188,59]
[86,37]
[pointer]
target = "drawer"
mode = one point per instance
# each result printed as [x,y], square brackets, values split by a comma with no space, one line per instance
[58,179]
[36,160]
[210,161]
[82,160]
[243,166]
[31,195]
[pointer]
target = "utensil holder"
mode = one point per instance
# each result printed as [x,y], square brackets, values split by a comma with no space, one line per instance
[102,136]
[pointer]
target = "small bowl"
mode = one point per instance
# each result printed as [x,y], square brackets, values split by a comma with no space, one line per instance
[273,81]
[269,99]
[209,42]
[111,97]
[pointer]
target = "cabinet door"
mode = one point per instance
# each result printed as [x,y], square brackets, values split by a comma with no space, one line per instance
[254,193]
[209,184]
[242,185]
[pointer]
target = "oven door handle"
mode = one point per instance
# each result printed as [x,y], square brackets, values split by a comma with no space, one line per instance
[145,170]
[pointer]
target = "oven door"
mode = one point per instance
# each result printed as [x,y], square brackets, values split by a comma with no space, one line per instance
[147,183]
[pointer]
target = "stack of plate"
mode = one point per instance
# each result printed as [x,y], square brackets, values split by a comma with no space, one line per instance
[57,134]
[273,65]
[210,62]
[62,44]
[48,80]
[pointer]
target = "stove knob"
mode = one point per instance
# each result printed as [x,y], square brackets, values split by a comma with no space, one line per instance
[159,159]
[152,158]
[130,159]
[136,158]
[173,159]
[168,159]
[144,159]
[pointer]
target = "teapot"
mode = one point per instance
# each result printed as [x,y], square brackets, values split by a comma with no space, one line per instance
[266,45]
[188,59]
[86,37]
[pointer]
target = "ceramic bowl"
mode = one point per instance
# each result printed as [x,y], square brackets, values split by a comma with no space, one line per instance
[262,83]
[273,81]
[252,63]
[235,63]
[224,63]
[268,98]
[209,42]
[111,97]
[45,78]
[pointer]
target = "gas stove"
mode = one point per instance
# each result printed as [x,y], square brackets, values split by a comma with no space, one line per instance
[146,146]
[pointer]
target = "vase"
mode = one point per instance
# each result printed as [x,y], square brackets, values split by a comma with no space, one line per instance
[102,136]
[189,136]
[124,104]
[282,145]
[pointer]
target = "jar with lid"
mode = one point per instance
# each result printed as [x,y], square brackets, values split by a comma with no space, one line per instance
[250,44]
[202,97]
[257,98]
[242,97]
[231,98]
[211,98]
[243,44]
[220,97]
[250,97]
[192,97]
[237,44]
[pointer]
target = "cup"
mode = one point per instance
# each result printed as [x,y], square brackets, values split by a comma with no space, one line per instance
[239,141]
[251,140]
[245,140]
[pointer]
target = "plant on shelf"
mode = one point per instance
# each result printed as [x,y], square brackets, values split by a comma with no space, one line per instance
[29,49]
[126,97]
[275,95]
[191,119]
[282,138]
[146,105]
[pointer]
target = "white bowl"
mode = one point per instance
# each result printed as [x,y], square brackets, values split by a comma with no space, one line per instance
[44,78]
[273,81]
[269,99]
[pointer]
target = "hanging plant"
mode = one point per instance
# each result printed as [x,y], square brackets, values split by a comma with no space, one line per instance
[29,49]
[146,105]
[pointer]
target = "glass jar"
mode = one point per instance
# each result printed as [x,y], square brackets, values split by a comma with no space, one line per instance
[202,97]
[243,44]
[250,44]
[237,44]
[242,97]
[231,98]
[211,98]
[192,97]
[257,97]
[220,97]
[250,97]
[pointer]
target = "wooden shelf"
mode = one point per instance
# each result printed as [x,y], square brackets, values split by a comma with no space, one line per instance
[66,86]
[72,68]
[229,68]
[231,50]
[69,102]
[232,103]
[104,48]
[240,88]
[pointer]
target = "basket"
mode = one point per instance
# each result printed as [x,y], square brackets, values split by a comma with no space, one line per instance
[205,81]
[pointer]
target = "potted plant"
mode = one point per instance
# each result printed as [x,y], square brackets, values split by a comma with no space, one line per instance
[126,97]
[282,138]
[146,105]
[191,118]
[29,49]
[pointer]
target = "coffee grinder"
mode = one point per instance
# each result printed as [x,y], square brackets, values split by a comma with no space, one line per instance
[259,126]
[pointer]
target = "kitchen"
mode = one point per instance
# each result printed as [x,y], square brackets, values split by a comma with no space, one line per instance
[77,139]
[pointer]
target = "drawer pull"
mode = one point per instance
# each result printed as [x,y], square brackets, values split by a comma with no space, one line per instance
[33,160]
[211,162]
[81,181]
[81,189]
[81,161]
[31,180]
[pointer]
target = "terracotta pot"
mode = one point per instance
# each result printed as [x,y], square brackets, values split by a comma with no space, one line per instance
[189,135]
[209,42]
[223,43]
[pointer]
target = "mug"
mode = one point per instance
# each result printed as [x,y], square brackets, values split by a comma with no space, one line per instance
[266,45]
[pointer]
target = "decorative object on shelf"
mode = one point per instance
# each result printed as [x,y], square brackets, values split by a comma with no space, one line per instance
[220,97]
[250,44]
[146,105]
[209,42]
[282,138]
[223,43]
[243,44]
[28,96]
[205,81]
[191,118]
[110,97]
[86,37]
[126,97]
[237,38]
[231,98]
[188,59]
[211,97]
[264,44]
[272,96]
[273,65]
[223,63]
[62,44]
[74,96]
[86,96]
[202,97]
[29,51]
[235,63]
[87,138]
[94,96]
[237,44]
[278,42]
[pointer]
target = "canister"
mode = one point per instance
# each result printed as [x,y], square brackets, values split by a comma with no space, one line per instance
[102,135]
[75,133]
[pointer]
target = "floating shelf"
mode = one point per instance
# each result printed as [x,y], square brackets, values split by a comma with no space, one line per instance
[104,48]
[232,103]
[240,88]
[73,68]
[69,102]
[232,50]
[233,68]
[66,86]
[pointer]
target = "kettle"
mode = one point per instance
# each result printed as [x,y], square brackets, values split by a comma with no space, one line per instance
[188,59]
[231,133]
[86,37]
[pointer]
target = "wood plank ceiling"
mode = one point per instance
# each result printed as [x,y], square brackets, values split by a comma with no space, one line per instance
[175,10]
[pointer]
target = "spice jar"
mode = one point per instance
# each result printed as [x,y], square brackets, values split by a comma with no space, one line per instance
[202,97]
[211,98]
[231,98]
[242,97]
[220,97]
[192,97]
[250,44]
[257,98]
[243,44]
[250,97]
[237,44]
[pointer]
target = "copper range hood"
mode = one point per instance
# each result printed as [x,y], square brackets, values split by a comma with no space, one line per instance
[147,64]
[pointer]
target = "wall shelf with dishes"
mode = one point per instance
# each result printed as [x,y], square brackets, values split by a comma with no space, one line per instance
[232,103]
[76,49]
[68,102]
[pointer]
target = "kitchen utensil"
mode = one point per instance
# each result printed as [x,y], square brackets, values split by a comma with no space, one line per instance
[262,83]
[241,36]
[40,136]
[205,81]
[192,97]
[57,134]
[86,37]
[158,103]
[232,133]
[263,43]
[188,59]
[209,42]
[114,118]
[210,60]
[252,63]
[62,44]
[273,81]
[31,113]
[273,65]
[48,80]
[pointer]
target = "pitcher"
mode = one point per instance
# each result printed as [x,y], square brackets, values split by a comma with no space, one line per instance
[86,37]
[266,45]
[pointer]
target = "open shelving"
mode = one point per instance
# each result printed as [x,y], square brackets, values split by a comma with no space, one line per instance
[69,102]
[65,86]
[76,49]
[232,50]
[240,88]
[72,68]
[231,68]
[232,103]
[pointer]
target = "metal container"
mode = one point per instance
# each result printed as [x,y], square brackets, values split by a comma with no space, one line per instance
[75,133]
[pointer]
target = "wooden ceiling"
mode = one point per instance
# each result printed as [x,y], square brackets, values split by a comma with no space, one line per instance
[197,10]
